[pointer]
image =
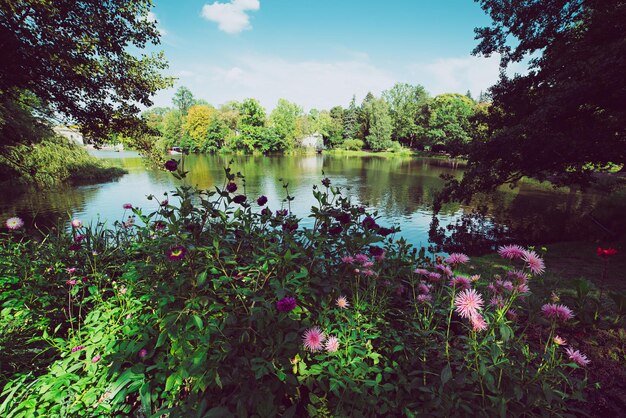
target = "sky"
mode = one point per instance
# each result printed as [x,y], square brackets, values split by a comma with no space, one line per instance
[319,53]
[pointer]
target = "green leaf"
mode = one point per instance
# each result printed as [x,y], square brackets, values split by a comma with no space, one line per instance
[446,374]
[144,393]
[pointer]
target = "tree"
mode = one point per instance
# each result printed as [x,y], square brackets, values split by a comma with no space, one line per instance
[197,123]
[283,119]
[449,123]
[376,123]
[173,128]
[566,118]
[251,113]
[351,120]
[76,60]
[405,101]
[183,99]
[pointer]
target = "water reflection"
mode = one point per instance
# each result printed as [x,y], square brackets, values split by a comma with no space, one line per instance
[401,189]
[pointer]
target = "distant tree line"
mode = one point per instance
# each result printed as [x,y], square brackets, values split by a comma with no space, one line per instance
[404,116]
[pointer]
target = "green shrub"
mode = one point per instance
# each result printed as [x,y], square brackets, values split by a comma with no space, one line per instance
[352,144]
[207,306]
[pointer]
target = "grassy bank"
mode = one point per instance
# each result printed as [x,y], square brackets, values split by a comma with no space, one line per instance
[213,308]
[54,161]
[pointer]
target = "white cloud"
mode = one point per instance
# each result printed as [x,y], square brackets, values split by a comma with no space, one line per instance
[152,17]
[322,84]
[457,75]
[231,17]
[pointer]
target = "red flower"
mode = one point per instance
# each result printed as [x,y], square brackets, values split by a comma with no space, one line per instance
[606,252]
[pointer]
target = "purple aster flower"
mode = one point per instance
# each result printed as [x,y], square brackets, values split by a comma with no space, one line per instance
[171,165]
[261,201]
[286,304]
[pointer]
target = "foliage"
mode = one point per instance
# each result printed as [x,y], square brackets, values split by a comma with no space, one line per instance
[251,113]
[197,122]
[183,99]
[283,119]
[376,123]
[177,312]
[405,103]
[449,123]
[54,161]
[352,144]
[565,119]
[76,61]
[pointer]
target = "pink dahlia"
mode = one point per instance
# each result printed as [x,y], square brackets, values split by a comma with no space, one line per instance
[369,273]
[424,298]
[14,223]
[511,314]
[577,357]
[361,258]
[522,288]
[497,301]
[511,251]
[434,277]
[424,288]
[478,323]
[342,302]
[313,339]
[444,269]
[519,276]
[76,223]
[468,303]
[559,341]
[332,344]
[554,311]
[422,272]
[456,259]
[460,282]
[534,262]
[507,285]
[368,264]
[347,259]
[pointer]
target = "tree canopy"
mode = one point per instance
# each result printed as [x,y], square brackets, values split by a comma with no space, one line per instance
[75,60]
[565,119]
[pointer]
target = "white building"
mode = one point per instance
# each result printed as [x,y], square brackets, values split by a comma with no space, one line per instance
[313,141]
[71,134]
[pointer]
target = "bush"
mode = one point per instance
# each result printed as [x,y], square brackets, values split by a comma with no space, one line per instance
[210,308]
[352,144]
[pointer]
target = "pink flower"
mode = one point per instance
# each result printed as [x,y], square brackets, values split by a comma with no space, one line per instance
[14,223]
[492,288]
[313,339]
[71,270]
[577,357]
[554,311]
[76,223]
[423,288]
[176,253]
[468,303]
[422,272]
[368,264]
[559,341]
[522,288]
[347,259]
[286,304]
[127,205]
[444,269]
[77,348]
[478,323]
[456,259]
[511,314]
[422,298]
[475,278]
[143,353]
[96,358]
[511,251]
[128,316]
[342,302]
[507,285]
[497,301]
[361,258]
[460,282]
[534,262]
[165,203]
[380,257]
[434,277]
[369,273]
[332,344]
[71,282]
[519,276]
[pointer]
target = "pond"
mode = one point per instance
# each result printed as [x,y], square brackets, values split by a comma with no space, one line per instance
[401,189]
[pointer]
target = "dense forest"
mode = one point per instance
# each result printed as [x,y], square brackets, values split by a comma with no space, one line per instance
[405,116]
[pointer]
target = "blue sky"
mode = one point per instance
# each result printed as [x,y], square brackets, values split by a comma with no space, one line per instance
[319,53]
